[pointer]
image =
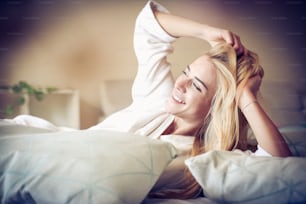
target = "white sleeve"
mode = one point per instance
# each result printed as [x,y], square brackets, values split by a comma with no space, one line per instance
[152,44]
[261,152]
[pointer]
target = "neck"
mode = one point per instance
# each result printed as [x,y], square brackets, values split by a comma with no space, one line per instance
[182,127]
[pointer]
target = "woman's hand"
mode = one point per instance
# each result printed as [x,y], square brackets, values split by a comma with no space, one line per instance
[215,35]
[248,92]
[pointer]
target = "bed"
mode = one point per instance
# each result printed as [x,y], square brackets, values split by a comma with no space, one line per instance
[99,166]
[110,167]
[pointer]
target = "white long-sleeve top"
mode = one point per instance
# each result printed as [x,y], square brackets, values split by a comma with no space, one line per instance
[153,83]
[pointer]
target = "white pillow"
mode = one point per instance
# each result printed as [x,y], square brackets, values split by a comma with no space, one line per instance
[231,177]
[80,167]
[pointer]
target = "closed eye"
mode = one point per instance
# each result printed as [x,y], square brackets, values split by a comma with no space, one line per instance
[194,84]
[196,87]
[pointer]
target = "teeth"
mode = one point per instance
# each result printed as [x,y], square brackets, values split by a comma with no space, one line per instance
[178,100]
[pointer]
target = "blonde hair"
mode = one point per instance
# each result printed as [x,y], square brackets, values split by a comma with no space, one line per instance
[225,127]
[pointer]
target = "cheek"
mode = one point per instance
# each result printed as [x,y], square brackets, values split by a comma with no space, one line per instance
[200,105]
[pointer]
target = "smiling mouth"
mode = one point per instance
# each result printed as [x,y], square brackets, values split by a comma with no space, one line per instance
[176,99]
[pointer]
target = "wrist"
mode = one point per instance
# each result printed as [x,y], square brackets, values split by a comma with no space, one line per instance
[207,33]
[247,105]
[246,99]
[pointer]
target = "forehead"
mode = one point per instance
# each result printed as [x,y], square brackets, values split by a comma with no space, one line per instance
[204,69]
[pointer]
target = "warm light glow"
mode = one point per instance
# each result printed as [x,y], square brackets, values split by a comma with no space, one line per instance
[80,43]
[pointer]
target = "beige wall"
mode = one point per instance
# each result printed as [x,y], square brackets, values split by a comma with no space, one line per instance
[78,45]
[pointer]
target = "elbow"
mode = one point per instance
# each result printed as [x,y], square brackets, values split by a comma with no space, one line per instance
[282,152]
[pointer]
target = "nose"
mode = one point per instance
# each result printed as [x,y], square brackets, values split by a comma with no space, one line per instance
[182,83]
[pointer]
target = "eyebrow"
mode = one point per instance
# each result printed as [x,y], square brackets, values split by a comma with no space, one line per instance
[199,80]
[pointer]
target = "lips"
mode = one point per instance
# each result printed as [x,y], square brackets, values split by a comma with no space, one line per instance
[178,100]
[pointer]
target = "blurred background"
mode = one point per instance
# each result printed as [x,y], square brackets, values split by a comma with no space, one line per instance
[80,44]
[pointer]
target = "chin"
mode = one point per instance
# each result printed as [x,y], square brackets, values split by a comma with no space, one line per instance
[169,107]
[172,108]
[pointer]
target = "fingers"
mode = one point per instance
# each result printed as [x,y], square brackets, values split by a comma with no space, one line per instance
[257,77]
[254,83]
[238,46]
[235,41]
[230,38]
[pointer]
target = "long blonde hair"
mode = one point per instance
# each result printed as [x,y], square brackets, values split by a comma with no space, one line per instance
[224,116]
[225,127]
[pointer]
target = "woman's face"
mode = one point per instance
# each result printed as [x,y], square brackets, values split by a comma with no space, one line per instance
[194,90]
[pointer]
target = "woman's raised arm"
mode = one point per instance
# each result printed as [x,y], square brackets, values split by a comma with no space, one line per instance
[266,133]
[181,27]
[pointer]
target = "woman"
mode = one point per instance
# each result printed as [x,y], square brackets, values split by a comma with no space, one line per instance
[214,99]
[215,95]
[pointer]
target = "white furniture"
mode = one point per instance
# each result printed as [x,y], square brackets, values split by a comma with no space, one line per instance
[60,107]
[114,95]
